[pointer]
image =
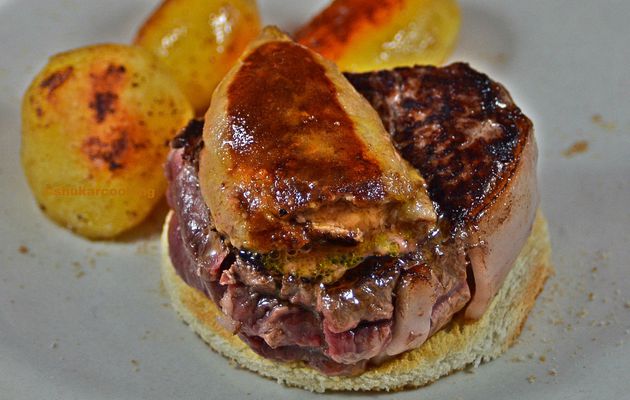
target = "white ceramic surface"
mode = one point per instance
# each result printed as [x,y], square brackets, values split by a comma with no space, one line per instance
[86,320]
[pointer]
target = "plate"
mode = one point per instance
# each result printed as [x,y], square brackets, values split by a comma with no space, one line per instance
[89,320]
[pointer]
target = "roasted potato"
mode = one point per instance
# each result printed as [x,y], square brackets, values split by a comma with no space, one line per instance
[96,123]
[199,40]
[367,35]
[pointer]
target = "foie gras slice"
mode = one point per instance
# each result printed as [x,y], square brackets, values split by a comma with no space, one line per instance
[298,169]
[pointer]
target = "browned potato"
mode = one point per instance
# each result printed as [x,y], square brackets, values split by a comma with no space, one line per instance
[199,40]
[96,122]
[367,35]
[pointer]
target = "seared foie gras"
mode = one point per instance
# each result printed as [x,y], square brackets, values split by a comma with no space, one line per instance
[300,162]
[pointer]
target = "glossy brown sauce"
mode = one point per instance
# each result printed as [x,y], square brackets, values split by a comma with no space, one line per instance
[289,131]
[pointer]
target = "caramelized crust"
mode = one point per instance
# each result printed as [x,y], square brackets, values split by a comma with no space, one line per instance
[460,129]
[478,154]
[330,31]
[288,121]
[298,158]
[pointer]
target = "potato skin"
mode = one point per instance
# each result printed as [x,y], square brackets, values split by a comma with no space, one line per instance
[199,40]
[96,123]
[368,35]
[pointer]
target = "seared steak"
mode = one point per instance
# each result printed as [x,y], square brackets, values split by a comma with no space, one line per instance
[476,152]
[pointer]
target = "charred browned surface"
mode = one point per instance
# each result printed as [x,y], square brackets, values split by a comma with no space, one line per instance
[288,130]
[115,136]
[460,129]
[103,104]
[110,152]
[277,115]
[56,79]
[104,99]
[331,29]
[189,138]
[296,160]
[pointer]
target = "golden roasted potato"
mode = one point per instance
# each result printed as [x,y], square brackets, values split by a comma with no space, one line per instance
[367,35]
[96,123]
[199,40]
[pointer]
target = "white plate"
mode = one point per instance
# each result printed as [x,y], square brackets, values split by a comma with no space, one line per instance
[84,320]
